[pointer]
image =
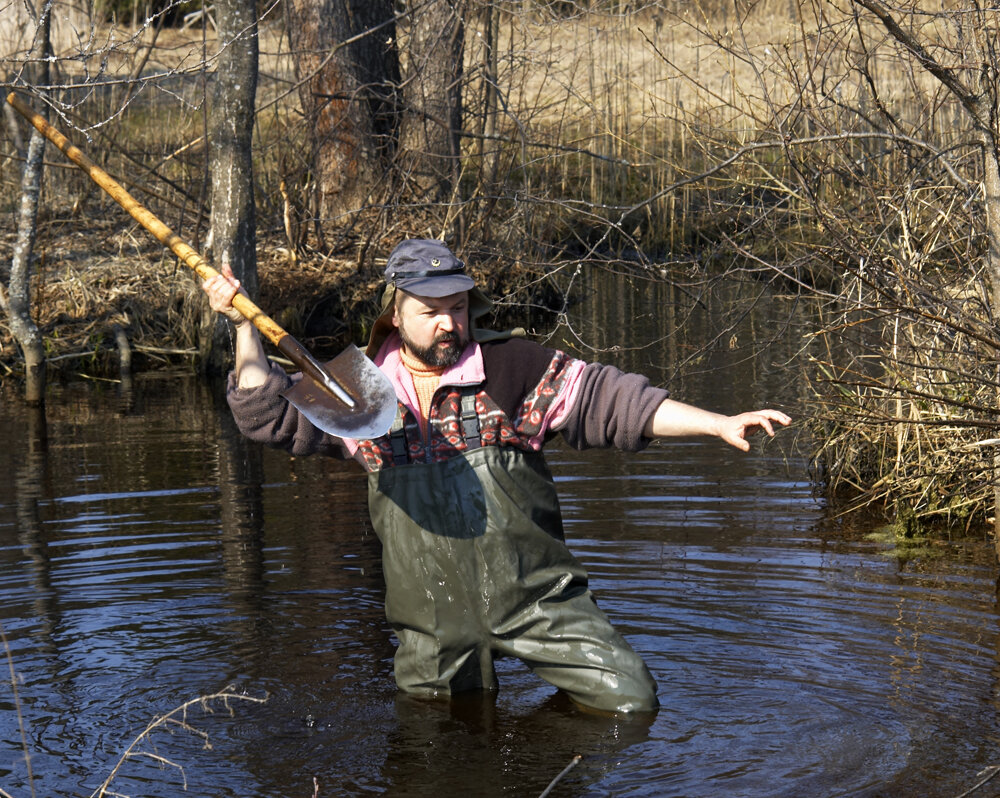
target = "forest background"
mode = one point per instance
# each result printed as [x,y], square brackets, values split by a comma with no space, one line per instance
[845,153]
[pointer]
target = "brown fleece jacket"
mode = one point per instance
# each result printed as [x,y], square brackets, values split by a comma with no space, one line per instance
[611,407]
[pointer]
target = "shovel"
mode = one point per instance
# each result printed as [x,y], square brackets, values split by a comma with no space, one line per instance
[347,397]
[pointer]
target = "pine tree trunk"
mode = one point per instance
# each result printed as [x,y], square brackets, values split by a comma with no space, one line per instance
[345,52]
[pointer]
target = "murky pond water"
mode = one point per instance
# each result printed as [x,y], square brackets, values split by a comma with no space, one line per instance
[149,555]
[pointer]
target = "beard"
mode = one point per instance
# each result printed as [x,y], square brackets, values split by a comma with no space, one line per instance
[436,355]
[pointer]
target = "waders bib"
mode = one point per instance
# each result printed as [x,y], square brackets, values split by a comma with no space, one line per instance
[475,566]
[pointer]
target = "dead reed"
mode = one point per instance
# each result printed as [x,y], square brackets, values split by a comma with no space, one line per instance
[906,404]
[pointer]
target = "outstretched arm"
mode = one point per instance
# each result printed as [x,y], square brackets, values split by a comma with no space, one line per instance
[675,419]
[252,366]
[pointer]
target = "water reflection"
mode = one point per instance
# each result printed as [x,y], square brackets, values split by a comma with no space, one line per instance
[150,557]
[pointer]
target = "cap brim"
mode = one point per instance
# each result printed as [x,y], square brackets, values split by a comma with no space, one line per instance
[436,286]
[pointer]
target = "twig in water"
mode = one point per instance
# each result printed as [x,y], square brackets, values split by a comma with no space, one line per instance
[573,763]
[989,772]
[164,720]
[17,706]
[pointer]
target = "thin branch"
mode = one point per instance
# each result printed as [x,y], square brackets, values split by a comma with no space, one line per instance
[573,763]
[990,772]
[17,707]
[224,696]
[927,61]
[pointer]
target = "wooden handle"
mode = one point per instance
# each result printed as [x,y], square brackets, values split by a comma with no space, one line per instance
[270,329]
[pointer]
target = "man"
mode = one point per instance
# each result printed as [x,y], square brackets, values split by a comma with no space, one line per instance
[459,492]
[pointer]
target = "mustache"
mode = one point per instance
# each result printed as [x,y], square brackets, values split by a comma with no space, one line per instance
[449,337]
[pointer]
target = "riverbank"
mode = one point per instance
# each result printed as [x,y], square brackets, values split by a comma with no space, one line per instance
[98,275]
[81,295]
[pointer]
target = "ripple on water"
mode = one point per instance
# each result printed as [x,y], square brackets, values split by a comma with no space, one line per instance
[790,661]
[786,661]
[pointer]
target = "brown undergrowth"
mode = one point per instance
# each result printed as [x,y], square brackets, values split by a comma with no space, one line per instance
[86,284]
[95,276]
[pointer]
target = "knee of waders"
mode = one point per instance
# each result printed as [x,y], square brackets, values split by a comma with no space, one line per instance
[427,670]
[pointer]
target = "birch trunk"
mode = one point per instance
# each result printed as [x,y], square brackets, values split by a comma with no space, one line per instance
[22,326]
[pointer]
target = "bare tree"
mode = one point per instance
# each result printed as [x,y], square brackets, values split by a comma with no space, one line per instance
[18,301]
[231,123]
[431,120]
[346,62]
[972,78]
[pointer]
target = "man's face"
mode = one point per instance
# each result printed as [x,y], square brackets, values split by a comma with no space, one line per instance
[435,330]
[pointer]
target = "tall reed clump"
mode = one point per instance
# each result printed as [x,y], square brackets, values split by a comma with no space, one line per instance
[905,400]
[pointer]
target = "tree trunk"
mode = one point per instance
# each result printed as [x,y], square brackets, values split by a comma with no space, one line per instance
[14,130]
[22,326]
[991,186]
[346,60]
[231,167]
[489,148]
[429,129]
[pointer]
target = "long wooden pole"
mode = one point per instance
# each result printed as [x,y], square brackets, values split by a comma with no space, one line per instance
[268,327]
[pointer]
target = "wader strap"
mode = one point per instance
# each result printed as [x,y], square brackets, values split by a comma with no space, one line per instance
[470,420]
[397,438]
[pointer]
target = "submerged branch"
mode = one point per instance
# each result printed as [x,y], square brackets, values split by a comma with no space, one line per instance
[573,763]
[224,696]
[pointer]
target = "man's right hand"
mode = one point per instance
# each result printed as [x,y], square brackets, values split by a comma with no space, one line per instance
[221,289]
[252,367]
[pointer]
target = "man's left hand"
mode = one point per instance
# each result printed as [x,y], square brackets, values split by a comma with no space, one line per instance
[735,429]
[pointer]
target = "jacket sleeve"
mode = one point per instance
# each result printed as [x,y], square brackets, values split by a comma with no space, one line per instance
[265,416]
[611,408]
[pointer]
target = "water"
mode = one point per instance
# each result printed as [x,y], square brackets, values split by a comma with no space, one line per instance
[149,556]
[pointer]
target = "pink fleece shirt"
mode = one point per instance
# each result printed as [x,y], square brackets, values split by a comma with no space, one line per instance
[469,370]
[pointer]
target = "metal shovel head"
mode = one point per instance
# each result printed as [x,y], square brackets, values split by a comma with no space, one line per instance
[374,398]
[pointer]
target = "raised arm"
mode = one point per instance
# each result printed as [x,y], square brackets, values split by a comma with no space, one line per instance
[252,366]
[676,419]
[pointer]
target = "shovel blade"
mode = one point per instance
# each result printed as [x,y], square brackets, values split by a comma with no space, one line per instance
[374,398]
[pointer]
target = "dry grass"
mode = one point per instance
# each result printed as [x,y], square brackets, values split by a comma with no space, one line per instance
[80,297]
[905,393]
